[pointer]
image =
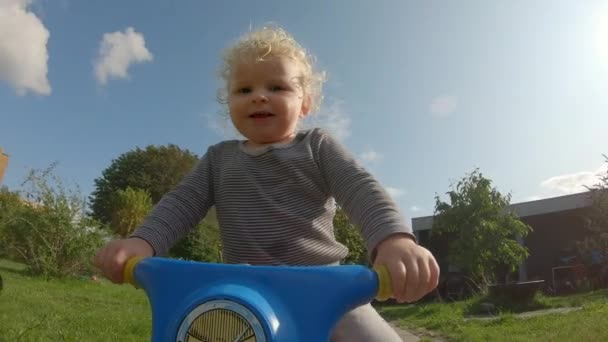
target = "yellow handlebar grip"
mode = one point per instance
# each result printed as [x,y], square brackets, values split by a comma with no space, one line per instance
[385,288]
[128,270]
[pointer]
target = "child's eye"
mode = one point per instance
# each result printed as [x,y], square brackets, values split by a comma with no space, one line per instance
[244,90]
[276,88]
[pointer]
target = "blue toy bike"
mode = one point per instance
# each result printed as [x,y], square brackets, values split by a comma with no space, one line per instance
[196,301]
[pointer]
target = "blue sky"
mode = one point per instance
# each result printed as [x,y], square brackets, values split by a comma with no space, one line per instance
[421,91]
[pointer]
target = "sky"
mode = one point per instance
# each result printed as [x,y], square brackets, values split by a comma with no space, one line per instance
[422,92]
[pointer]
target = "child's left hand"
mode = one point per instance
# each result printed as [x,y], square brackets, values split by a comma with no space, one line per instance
[413,269]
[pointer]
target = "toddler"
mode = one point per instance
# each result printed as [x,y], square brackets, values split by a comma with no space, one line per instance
[276,190]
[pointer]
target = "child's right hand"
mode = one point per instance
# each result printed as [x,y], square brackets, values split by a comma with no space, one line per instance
[112,257]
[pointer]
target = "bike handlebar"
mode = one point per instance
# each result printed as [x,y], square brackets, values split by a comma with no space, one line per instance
[385,288]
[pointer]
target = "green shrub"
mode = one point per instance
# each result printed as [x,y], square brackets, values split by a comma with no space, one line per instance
[10,205]
[201,244]
[130,209]
[49,230]
[349,235]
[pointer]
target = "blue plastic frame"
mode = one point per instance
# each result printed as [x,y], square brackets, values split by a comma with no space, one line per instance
[292,303]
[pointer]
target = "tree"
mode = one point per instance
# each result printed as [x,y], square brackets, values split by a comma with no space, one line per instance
[594,248]
[130,207]
[155,169]
[348,235]
[482,231]
[598,216]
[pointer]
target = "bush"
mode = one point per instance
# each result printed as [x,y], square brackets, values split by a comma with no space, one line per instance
[49,231]
[348,235]
[202,243]
[10,204]
[481,229]
[130,207]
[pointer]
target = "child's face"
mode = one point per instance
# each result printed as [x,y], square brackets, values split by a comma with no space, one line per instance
[266,100]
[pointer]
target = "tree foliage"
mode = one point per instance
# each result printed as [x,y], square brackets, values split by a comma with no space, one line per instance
[155,169]
[348,235]
[130,207]
[594,248]
[202,243]
[482,232]
[598,216]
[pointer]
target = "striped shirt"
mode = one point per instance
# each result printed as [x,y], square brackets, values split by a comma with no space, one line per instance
[276,205]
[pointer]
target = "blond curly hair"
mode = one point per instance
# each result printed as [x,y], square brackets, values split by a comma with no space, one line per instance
[269,42]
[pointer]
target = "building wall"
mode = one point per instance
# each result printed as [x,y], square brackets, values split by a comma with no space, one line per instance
[552,240]
[3,164]
[553,237]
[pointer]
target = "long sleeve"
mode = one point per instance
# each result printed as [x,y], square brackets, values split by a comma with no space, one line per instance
[365,201]
[181,209]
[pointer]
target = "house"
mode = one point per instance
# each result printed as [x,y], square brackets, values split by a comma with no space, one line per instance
[557,224]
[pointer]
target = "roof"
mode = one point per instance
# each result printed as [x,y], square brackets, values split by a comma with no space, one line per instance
[530,208]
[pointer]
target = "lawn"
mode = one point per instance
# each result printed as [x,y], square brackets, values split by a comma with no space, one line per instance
[34,309]
[450,320]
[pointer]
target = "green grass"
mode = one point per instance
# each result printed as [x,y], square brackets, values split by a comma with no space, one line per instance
[449,321]
[539,302]
[34,309]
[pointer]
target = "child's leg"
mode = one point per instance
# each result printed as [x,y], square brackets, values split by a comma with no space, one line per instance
[364,324]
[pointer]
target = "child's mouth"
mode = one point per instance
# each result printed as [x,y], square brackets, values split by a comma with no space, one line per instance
[261,115]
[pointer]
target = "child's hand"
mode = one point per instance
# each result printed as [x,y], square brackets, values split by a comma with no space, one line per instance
[413,269]
[112,257]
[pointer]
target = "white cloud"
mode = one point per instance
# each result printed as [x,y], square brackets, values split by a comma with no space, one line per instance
[333,119]
[443,106]
[370,156]
[117,52]
[415,209]
[23,48]
[394,192]
[575,182]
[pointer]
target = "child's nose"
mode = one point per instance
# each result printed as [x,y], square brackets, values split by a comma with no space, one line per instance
[259,96]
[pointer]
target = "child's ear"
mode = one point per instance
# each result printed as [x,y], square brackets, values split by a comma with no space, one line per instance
[306,105]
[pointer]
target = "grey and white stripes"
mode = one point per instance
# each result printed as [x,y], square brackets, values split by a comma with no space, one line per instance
[276,206]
